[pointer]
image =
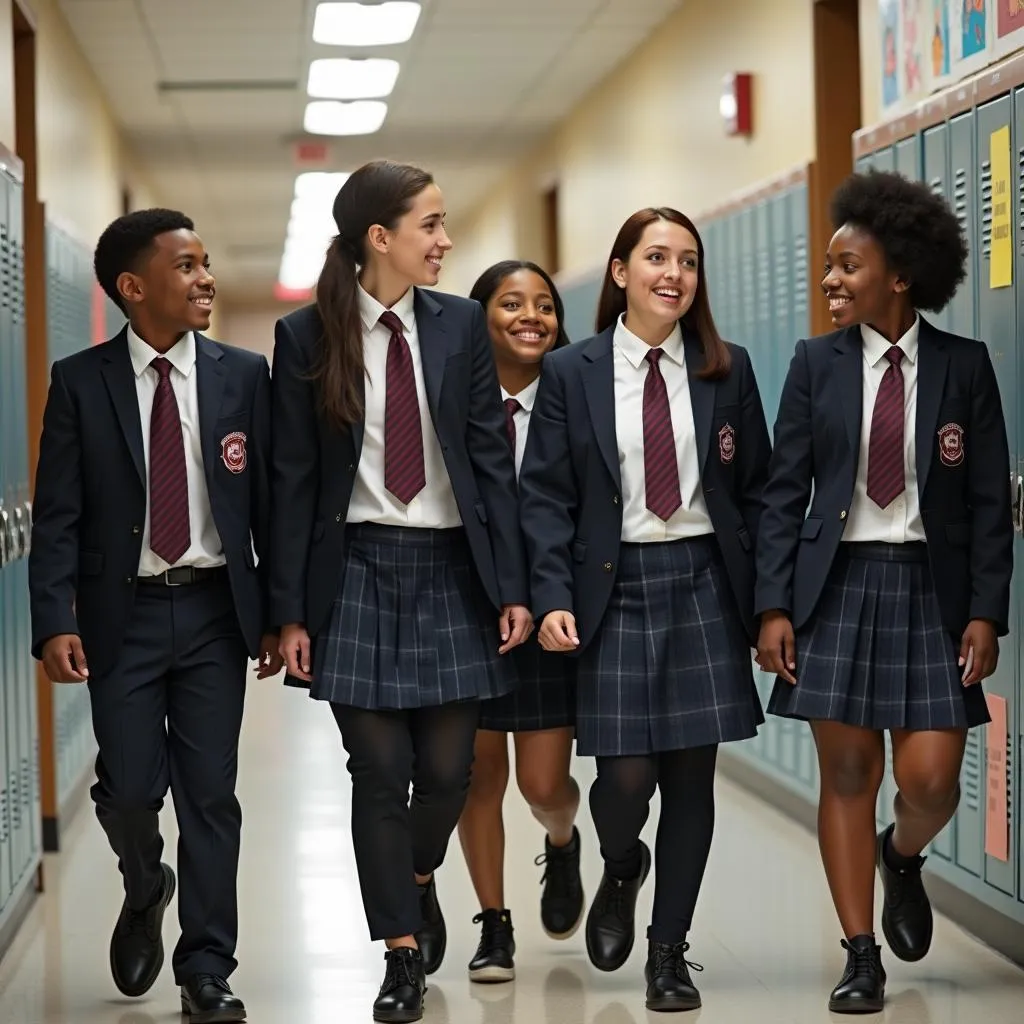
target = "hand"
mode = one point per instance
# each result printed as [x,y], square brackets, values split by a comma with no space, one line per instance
[980,635]
[270,660]
[64,659]
[558,632]
[776,646]
[515,625]
[294,649]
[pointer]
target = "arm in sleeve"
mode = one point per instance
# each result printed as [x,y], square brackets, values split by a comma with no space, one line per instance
[757,451]
[259,515]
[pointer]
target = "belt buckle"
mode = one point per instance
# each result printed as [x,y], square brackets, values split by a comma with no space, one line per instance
[186,570]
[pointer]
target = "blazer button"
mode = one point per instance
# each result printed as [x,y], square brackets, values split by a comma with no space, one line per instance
[842,515]
[615,500]
[337,518]
[136,530]
[352,468]
[129,579]
[607,566]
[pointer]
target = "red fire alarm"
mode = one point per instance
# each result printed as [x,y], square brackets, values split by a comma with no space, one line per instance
[735,104]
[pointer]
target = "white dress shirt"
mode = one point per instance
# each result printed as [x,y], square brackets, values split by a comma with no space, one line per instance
[900,522]
[205,549]
[525,398]
[434,507]
[639,524]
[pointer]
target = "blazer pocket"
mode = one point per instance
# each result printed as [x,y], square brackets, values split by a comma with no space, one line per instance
[579,550]
[958,534]
[90,563]
[744,537]
[811,527]
[481,511]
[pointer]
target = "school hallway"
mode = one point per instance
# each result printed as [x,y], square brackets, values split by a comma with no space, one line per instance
[765,932]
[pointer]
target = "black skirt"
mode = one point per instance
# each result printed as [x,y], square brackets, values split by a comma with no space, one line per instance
[670,667]
[411,626]
[544,698]
[875,654]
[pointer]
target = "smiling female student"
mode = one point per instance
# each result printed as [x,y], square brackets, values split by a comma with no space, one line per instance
[524,316]
[882,603]
[398,571]
[641,493]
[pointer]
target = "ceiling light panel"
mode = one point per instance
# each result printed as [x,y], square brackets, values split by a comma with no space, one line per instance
[330,117]
[344,79]
[350,24]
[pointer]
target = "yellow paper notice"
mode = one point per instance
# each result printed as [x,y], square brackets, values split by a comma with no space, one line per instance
[1001,263]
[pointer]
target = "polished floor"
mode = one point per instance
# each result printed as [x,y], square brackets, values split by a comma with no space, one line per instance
[765,931]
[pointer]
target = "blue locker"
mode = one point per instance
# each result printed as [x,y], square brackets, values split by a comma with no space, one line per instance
[762,283]
[784,333]
[962,319]
[936,175]
[884,159]
[907,159]
[6,430]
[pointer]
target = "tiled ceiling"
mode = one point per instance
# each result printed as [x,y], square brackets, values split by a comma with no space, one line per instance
[211,93]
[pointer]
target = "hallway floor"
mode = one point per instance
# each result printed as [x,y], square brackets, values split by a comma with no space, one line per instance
[765,930]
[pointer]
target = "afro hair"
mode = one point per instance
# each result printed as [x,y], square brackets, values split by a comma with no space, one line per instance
[129,238]
[920,235]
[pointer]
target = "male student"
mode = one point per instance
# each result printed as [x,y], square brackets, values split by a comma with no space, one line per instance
[151,496]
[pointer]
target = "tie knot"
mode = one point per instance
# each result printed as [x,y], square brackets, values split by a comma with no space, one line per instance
[653,356]
[162,367]
[895,355]
[390,319]
[512,406]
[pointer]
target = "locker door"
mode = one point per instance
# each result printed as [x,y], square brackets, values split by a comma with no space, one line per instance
[730,277]
[907,158]
[936,175]
[997,325]
[884,159]
[783,335]
[747,242]
[6,868]
[764,295]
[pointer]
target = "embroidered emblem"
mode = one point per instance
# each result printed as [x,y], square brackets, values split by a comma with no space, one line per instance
[727,444]
[951,444]
[232,451]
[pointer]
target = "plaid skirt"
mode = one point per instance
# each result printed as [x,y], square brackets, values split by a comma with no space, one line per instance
[544,698]
[411,626]
[875,653]
[670,666]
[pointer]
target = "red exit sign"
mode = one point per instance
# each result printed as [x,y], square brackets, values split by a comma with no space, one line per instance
[311,154]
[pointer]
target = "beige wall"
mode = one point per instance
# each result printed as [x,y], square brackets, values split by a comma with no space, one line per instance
[251,327]
[7,74]
[870,63]
[651,134]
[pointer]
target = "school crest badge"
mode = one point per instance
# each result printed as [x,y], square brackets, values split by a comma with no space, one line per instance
[232,451]
[727,444]
[951,444]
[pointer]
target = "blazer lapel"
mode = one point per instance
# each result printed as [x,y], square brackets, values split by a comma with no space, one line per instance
[210,380]
[848,375]
[433,340]
[933,361]
[702,396]
[119,376]
[599,386]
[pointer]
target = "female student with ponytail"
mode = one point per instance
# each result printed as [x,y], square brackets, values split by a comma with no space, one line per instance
[641,493]
[398,573]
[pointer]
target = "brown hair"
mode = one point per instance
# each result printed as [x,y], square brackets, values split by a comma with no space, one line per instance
[697,319]
[378,193]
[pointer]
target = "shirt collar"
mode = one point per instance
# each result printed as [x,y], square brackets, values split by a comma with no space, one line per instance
[875,345]
[635,349]
[370,309]
[182,355]
[526,397]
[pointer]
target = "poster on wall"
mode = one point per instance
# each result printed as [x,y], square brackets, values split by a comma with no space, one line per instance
[913,34]
[973,35]
[1009,26]
[889,20]
[940,45]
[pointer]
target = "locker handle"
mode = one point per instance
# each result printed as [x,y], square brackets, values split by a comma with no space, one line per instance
[1018,505]
[5,538]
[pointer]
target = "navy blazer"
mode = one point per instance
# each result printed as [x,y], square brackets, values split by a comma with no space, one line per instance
[314,462]
[963,487]
[570,485]
[90,495]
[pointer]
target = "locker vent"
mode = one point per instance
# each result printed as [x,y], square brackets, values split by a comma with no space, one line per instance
[960,198]
[1011,789]
[936,186]
[986,209]
[748,316]
[971,775]
[1020,189]
[800,278]
[5,831]
[782,283]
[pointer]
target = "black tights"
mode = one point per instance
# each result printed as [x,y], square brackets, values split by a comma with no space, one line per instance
[393,836]
[620,803]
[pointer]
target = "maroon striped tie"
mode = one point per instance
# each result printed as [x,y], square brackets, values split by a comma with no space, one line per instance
[661,472]
[169,532]
[886,478]
[512,406]
[404,472]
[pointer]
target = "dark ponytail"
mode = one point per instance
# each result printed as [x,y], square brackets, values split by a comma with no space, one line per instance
[378,193]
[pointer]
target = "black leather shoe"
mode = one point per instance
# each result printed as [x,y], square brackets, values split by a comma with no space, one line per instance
[136,947]
[862,986]
[432,938]
[401,995]
[669,987]
[906,911]
[561,903]
[494,960]
[610,929]
[208,999]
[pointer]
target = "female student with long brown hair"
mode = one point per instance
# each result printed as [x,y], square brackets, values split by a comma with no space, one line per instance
[398,573]
[641,493]
[524,316]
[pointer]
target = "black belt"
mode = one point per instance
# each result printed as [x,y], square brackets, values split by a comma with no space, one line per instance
[184,576]
[879,551]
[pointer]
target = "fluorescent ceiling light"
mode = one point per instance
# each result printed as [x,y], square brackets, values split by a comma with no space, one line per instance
[310,228]
[343,79]
[319,183]
[349,24]
[329,117]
